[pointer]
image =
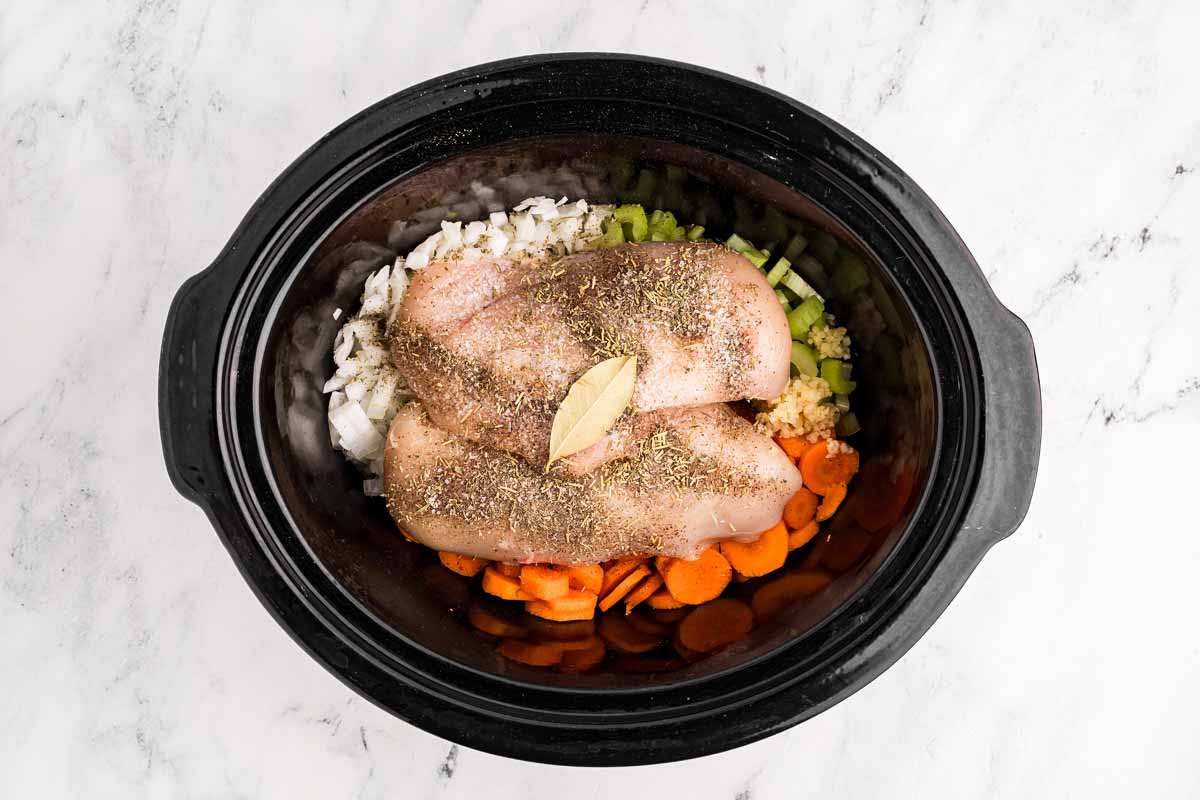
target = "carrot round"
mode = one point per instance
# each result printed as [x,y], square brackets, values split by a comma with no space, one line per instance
[590,577]
[697,581]
[801,536]
[800,509]
[845,548]
[822,469]
[531,653]
[616,572]
[643,591]
[574,605]
[620,635]
[716,624]
[545,582]
[571,645]
[511,570]
[663,600]
[464,565]
[503,586]
[779,593]
[794,446]
[486,621]
[830,502]
[624,587]
[765,554]
[686,652]
[647,624]
[584,659]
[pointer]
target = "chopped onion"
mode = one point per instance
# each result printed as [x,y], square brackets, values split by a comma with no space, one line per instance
[359,436]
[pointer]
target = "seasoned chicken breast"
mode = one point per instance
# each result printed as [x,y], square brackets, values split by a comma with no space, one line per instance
[697,475]
[490,347]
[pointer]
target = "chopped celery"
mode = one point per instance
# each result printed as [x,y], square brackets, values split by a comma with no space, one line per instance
[783,300]
[798,285]
[633,221]
[812,271]
[695,233]
[886,308]
[778,271]
[837,375]
[795,247]
[662,226]
[849,276]
[825,247]
[804,359]
[842,401]
[757,257]
[801,318]
[735,242]
[848,425]
[612,236]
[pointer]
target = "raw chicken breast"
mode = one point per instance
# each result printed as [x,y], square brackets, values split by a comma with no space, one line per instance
[490,347]
[700,475]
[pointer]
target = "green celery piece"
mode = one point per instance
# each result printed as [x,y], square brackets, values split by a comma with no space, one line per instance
[655,216]
[679,234]
[801,318]
[612,236]
[804,359]
[775,224]
[757,257]
[848,425]
[662,226]
[795,247]
[647,184]
[886,308]
[837,375]
[825,247]
[695,233]
[798,285]
[633,216]
[842,401]
[735,242]
[812,271]
[849,275]
[783,301]
[778,271]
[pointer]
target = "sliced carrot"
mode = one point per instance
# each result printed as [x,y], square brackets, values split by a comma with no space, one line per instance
[812,559]
[511,570]
[583,660]
[624,587]
[571,645]
[700,580]
[779,593]
[794,446]
[617,572]
[622,636]
[486,621]
[821,470]
[503,586]
[830,502]
[404,533]
[574,605]
[531,653]
[686,652]
[550,630]
[800,509]
[643,591]
[661,561]
[740,578]
[801,536]
[716,624]
[463,565]
[765,554]
[544,581]
[590,577]
[663,600]
[845,548]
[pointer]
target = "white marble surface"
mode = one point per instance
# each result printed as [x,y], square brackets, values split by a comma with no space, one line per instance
[1064,144]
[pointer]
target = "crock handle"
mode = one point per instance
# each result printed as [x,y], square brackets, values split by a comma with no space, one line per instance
[1013,422]
[187,375]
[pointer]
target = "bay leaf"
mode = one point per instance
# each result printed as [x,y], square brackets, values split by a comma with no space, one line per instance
[591,406]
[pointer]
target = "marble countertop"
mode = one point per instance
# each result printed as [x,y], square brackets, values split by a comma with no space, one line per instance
[1064,145]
